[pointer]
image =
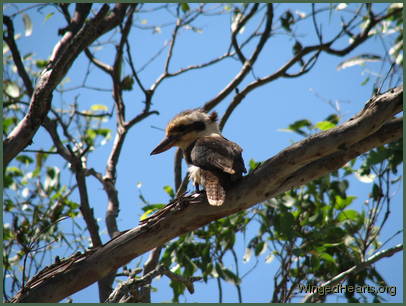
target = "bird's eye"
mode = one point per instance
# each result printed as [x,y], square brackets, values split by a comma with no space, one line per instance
[199,126]
[181,128]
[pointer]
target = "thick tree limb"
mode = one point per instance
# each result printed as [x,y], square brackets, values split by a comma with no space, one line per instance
[294,166]
[62,58]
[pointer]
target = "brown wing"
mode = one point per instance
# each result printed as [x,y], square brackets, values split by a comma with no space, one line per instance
[217,153]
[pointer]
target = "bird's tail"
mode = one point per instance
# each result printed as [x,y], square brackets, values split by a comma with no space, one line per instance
[214,191]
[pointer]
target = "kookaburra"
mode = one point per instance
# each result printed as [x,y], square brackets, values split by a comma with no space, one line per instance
[214,161]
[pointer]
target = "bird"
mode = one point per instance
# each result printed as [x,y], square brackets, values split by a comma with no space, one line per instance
[213,161]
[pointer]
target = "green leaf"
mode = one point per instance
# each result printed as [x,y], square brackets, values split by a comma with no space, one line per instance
[314,217]
[298,125]
[8,205]
[185,7]
[12,89]
[364,82]
[324,125]
[327,257]
[127,82]
[230,277]
[342,203]
[92,133]
[103,132]
[8,122]
[14,171]
[99,107]
[359,60]
[260,248]
[48,16]
[41,64]
[376,192]
[169,191]
[149,209]
[153,207]
[333,118]
[253,164]
[27,24]
[27,56]
[348,214]
[39,160]
[24,159]
[146,214]
[52,178]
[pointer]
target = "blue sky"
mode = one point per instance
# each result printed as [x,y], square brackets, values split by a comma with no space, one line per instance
[254,124]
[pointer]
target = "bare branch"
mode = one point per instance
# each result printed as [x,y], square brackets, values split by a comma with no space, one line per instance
[50,126]
[150,264]
[247,65]
[85,209]
[238,28]
[132,67]
[77,167]
[9,39]
[172,45]
[103,66]
[116,72]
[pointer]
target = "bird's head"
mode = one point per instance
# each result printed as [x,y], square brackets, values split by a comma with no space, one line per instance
[186,127]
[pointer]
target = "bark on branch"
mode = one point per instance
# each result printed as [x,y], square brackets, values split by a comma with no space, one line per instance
[62,58]
[296,165]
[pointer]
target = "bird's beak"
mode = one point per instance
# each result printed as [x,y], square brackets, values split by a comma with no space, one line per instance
[165,144]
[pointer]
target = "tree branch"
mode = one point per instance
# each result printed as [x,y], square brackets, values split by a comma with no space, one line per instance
[355,269]
[128,291]
[282,72]
[246,68]
[150,264]
[62,59]
[238,28]
[372,127]
[9,39]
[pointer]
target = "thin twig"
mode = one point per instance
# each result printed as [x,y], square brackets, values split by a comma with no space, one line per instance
[355,269]
[9,39]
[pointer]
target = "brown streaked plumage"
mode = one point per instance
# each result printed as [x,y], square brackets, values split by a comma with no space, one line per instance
[214,161]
